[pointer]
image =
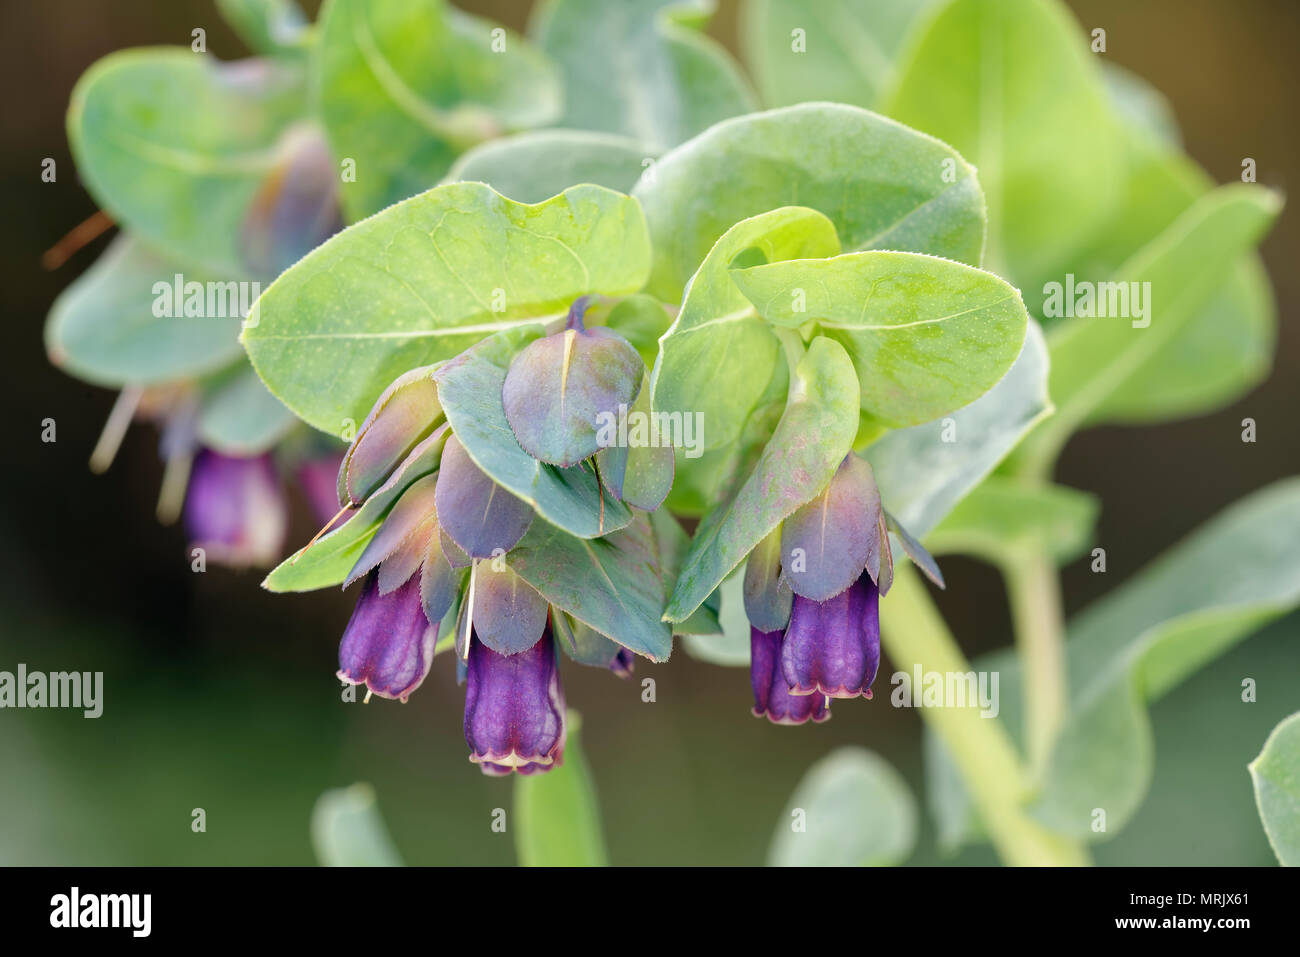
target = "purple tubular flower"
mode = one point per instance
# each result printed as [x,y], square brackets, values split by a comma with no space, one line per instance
[772,697]
[235,509]
[833,647]
[623,663]
[388,644]
[514,709]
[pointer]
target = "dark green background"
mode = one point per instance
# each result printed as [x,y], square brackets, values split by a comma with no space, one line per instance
[222,697]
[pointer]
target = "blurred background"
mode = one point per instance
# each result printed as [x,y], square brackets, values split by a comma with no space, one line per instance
[221,696]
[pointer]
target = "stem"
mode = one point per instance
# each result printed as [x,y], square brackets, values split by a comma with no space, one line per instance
[1035,593]
[915,636]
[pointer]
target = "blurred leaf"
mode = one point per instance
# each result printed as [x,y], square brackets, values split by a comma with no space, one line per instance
[267,26]
[239,417]
[730,646]
[641,320]
[610,583]
[1203,596]
[1002,515]
[1276,775]
[856,811]
[926,335]
[557,814]
[469,387]
[718,356]
[407,85]
[328,560]
[1012,85]
[640,68]
[815,433]
[883,185]
[347,830]
[1184,265]
[925,470]
[849,48]
[175,145]
[102,327]
[1140,104]
[531,167]
[427,278]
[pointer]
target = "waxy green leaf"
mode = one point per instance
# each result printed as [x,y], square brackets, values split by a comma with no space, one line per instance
[238,416]
[268,26]
[1003,516]
[1184,266]
[557,814]
[347,830]
[925,470]
[1012,84]
[850,809]
[1206,594]
[509,615]
[815,433]
[716,359]
[926,335]
[174,145]
[827,543]
[840,50]
[611,584]
[470,389]
[641,69]
[480,516]
[883,185]
[408,85]
[1276,775]
[427,278]
[531,167]
[102,328]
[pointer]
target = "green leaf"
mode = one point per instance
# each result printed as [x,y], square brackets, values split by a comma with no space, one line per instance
[924,471]
[1141,105]
[717,357]
[1226,346]
[407,85]
[531,167]
[1202,597]
[1276,775]
[926,335]
[851,809]
[102,328]
[557,814]
[347,830]
[1184,265]
[1001,516]
[1012,84]
[883,185]
[611,584]
[815,433]
[426,279]
[328,561]
[268,26]
[469,387]
[845,51]
[641,69]
[175,145]
[238,416]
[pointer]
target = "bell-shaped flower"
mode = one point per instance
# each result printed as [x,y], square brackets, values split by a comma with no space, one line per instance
[235,509]
[514,708]
[388,643]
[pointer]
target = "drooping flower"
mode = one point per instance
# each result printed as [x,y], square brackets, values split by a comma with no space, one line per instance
[514,708]
[772,696]
[235,509]
[812,590]
[388,643]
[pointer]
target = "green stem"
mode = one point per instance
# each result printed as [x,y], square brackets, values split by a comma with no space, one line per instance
[1034,590]
[915,635]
